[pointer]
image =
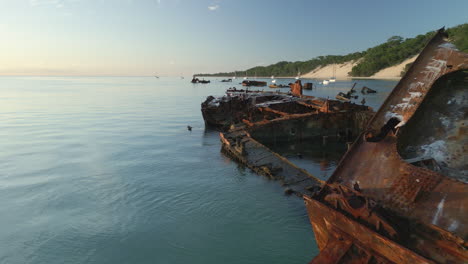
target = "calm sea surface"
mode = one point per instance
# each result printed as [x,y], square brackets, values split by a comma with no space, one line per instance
[103,170]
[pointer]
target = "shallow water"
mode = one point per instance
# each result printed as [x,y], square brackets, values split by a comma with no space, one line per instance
[103,170]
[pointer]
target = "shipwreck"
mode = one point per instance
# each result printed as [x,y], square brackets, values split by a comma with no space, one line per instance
[399,194]
[249,119]
[253,83]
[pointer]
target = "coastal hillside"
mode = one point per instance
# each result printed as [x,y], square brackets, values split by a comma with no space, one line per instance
[386,60]
[341,70]
[395,71]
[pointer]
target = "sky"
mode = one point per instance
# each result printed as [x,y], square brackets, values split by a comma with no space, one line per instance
[183,37]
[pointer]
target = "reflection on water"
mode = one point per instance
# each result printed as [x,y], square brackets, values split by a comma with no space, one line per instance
[317,159]
[103,170]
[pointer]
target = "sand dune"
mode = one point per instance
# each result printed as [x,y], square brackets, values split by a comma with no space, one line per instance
[343,69]
[394,71]
[327,71]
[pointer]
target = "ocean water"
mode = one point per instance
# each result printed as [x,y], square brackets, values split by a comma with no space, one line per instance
[104,170]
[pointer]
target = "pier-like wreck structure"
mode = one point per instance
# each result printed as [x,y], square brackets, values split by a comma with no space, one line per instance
[399,194]
[250,119]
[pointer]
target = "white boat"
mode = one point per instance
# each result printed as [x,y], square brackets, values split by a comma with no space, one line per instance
[325,82]
[272,77]
[273,81]
[298,75]
[333,79]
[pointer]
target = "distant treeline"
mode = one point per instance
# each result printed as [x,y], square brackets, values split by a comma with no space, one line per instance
[286,68]
[394,51]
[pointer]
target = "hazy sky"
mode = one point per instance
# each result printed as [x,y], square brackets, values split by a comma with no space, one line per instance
[173,37]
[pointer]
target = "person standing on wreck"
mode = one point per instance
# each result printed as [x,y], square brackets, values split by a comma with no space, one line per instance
[296,88]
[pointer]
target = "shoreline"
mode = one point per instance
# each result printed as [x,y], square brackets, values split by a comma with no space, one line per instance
[309,78]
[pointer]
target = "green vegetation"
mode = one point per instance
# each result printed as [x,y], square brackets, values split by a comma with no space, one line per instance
[459,36]
[390,53]
[285,68]
[374,59]
[407,66]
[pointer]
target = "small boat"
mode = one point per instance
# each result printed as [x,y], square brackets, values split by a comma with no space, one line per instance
[325,82]
[196,80]
[333,78]
[298,75]
[227,80]
[273,86]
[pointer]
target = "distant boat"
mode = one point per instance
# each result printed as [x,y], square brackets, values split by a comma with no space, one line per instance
[196,80]
[272,77]
[333,78]
[157,77]
[245,78]
[235,76]
[298,75]
[273,81]
[325,82]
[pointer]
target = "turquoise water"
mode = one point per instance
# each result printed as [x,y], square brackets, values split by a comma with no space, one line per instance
[103,170]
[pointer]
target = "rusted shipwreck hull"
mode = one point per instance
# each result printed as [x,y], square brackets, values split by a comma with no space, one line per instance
[253,118]
[399,195]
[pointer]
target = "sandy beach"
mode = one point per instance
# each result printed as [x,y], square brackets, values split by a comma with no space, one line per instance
[343,69]
[326,72]
[394,71]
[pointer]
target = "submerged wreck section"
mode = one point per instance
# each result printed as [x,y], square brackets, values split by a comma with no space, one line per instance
[399,195]
[252,119]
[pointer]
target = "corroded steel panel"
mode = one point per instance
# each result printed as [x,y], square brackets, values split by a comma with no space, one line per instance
[422,210]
